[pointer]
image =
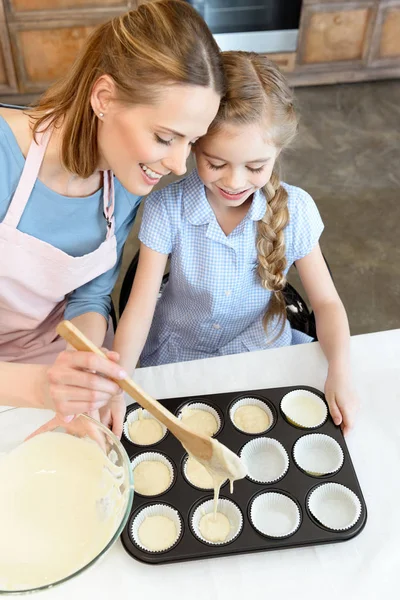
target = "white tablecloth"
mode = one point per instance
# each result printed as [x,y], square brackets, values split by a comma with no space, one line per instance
[366,567]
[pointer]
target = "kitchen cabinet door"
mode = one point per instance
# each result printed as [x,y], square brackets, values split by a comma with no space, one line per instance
[43,53]
[385,50]
[335,32]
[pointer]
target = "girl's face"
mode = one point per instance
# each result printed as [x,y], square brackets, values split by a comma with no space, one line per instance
[234,163]
[142,143]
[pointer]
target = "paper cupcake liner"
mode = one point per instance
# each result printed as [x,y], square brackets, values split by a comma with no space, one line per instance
[252,402]
[275,515]
[190,482]
[155,510]
[266,460]
[318,454]
[158,457]
[309,417]
[132,416]
[334,506]
[206,408]
[227,508]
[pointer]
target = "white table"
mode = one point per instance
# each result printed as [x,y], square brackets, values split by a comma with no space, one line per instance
[366,567]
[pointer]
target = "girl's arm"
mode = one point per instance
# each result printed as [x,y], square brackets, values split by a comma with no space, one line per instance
[134,325]
[333,336]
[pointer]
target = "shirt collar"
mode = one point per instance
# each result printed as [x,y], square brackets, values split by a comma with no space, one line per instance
[197,209]
[258,206]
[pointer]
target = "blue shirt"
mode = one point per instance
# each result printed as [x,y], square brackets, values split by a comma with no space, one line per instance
[214,303]
[74,225]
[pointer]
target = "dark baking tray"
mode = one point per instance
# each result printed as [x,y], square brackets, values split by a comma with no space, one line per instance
[295,484]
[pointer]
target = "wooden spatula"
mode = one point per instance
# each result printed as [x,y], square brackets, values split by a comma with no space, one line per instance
[198,445]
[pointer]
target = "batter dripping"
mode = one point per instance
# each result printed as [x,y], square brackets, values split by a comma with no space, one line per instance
[214,527]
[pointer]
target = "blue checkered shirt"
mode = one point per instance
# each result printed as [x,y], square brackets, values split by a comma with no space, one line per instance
[214,303]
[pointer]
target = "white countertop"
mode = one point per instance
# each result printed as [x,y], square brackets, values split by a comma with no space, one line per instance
[366,567]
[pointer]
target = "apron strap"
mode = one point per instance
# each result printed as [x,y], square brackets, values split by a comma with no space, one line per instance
[27,180]
[109,201]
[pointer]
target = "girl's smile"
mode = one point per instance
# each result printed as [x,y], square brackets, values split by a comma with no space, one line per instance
[228,163]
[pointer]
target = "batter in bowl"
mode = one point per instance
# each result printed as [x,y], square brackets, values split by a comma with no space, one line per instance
[60,505]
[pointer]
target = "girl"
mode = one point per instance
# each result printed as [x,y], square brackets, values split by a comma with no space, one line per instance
[143,78]
[233,230]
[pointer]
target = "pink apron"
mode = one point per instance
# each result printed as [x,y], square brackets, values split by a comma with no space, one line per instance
[36,277]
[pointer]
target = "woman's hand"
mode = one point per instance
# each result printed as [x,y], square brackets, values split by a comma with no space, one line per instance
[79,382]
[342,399]
[113,414]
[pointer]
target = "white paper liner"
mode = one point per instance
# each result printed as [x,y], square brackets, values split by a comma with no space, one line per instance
[186,476]
[314,417]
[227,508]
[318,454]
[334,506]
[275,515]
[155,510]
[153,456]
[266,460]
[134,416]
[252,402]
[206,408]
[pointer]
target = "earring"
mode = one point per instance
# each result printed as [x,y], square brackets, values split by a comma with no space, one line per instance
[101,115]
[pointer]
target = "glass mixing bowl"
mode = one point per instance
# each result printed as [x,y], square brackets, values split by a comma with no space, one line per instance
[16,424]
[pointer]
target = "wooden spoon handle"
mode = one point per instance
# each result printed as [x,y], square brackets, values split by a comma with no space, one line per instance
[79,341]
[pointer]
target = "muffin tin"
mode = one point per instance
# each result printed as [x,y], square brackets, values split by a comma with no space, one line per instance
[250,496]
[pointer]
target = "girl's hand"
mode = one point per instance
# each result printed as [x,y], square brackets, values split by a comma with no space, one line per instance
[78,382]
[113,414]
[342,399]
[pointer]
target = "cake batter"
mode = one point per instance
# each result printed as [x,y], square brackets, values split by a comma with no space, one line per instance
[145,431]
[214,527]
[200,421]
[157,533]
[60,504]
[198,474]
[251,419]
[151,477]
[222,465]
[306,411]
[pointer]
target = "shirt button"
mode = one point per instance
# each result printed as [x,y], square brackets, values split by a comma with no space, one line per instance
[217,326]
[228,292]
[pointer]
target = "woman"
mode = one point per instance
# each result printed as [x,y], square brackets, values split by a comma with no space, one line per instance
[145,87]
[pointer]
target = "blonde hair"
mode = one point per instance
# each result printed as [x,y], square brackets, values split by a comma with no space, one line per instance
[160,43]
[257,92]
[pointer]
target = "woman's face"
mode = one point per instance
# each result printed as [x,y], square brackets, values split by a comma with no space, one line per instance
[142,143]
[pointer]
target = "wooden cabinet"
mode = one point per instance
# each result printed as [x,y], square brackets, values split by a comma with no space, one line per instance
[335,33]
[18,6]
[46,35]
[8,80]
[385,47]
[44,52]
[347,41]
[339,40]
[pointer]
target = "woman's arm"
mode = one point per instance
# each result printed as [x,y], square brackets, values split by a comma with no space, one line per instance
[77,382]
[134,324]
[333,335]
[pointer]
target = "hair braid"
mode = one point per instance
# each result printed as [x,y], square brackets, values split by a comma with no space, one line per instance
[271,251]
